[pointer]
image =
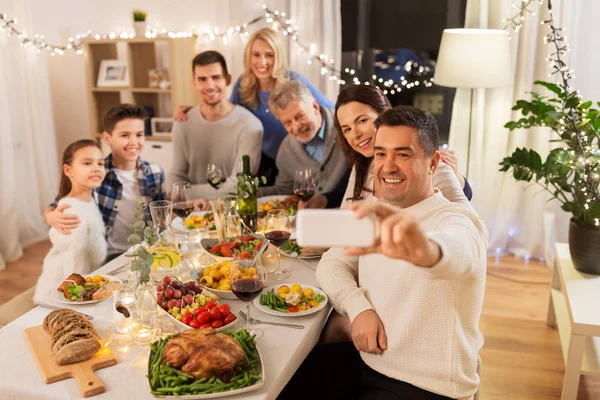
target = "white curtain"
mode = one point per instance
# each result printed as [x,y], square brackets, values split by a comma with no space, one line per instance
[514,212]
[28,164]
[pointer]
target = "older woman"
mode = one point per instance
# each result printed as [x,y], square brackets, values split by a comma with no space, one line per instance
[264,70]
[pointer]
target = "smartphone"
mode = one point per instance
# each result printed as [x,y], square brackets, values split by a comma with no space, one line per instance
[334,228]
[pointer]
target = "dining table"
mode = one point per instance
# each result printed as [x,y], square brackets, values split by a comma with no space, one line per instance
[282,349]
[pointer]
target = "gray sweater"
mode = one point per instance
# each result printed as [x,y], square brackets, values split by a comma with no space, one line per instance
[292,156]
[198,142]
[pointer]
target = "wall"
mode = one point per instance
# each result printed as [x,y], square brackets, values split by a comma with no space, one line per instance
[66,18]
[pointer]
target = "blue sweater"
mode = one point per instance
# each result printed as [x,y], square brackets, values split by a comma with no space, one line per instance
[274,131]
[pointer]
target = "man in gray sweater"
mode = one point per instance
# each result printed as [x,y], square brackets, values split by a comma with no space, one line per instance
[311,141]
[216,132]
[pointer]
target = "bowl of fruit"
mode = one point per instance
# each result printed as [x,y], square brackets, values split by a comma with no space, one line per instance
[216,278]
[189,308]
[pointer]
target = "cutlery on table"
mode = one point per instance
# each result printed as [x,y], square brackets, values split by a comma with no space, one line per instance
[256,321]
[50,307]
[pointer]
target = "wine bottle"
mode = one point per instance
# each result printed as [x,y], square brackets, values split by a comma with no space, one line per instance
[247,191]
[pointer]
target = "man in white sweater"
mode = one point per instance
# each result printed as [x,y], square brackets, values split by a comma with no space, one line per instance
[414,300]
[217,132]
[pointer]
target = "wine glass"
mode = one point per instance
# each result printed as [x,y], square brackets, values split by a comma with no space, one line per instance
[247,282]
[215,176]
[304,184]
[183,202]
[278,230]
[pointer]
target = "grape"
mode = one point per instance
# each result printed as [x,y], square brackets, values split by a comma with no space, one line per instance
[183,290]
[188,299]
[177,294]
[169,292]
[160,288]
[176,284]
[191,292]
[159,297]
[167,280]
[189,284]
[197,288]
[171,303]
[178,303]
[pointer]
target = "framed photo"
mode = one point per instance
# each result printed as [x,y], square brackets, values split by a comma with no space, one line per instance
[161,126]
[113,73]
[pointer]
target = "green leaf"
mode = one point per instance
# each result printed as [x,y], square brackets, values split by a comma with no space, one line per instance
[550,86]
[596,125]
[585,105]
[134,239]
[139,226]
[572,102]
[263,179]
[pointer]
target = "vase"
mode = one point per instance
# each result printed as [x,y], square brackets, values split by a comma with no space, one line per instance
[584,245]
[140,29]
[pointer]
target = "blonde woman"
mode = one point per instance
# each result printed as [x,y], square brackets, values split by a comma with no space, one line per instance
[264,70]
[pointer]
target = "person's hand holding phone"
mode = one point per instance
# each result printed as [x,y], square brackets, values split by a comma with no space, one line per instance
[400,235]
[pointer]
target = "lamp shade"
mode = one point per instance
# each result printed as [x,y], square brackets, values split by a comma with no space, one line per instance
[474,58]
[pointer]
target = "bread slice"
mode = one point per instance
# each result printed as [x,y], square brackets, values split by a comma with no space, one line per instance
[53,316]
[79,350]
[106,290]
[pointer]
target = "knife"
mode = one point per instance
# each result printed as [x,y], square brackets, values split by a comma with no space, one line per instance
[50,307]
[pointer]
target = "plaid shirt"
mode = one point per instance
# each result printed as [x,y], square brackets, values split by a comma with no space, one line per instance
[109,194]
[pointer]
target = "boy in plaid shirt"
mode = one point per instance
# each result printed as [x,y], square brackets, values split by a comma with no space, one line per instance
[127,179]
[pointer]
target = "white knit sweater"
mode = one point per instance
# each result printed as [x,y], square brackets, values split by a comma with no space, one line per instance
[430,315]
[83,251]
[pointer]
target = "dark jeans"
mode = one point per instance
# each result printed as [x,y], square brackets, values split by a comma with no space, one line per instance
[336,371]
[268,169]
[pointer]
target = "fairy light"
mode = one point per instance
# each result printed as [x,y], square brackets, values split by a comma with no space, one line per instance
[280,22]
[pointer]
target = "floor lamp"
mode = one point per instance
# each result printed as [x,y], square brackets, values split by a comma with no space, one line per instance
[476,59]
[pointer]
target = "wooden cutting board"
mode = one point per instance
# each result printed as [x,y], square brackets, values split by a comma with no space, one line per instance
[83,372]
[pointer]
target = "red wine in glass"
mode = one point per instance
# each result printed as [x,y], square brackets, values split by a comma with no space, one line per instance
[278,238]
[304,194]
[247,289]
[183,209]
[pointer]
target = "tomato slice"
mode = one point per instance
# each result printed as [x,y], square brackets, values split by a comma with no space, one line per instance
[216,248]
[244,255]
[226,252]
[293,309]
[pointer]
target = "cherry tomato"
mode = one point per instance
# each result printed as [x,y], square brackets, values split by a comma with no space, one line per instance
[199,310]
[246,239]
[217,324]
[215,248]
[244,255]
[194,324]
[204,318]
[215,313]
[228,245]
[229,319]
[224,308]
[258,246]
[205,326]
[187,317]
[226,252]
[293,309]
[210,305]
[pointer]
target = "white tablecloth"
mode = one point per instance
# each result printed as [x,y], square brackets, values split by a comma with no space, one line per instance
[283,349]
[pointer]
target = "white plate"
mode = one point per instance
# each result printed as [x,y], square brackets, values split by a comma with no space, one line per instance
[178,223]
[60,297]
[257,385]
[313,310]
[207,244]
[293,254]
[265,199]
[182,327]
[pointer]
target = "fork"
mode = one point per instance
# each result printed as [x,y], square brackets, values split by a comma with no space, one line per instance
[256,321]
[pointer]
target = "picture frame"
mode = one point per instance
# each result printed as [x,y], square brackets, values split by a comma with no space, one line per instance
[113,73]
[162,126]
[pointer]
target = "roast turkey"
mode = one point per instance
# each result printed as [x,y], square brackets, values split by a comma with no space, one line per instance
[203,353]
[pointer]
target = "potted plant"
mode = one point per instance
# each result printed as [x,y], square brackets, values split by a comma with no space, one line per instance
[570,173]
[139,22]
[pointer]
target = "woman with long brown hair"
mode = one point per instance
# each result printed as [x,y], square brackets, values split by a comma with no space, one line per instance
[84,249]
[356,109]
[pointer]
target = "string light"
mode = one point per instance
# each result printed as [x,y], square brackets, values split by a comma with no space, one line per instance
[280,23]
